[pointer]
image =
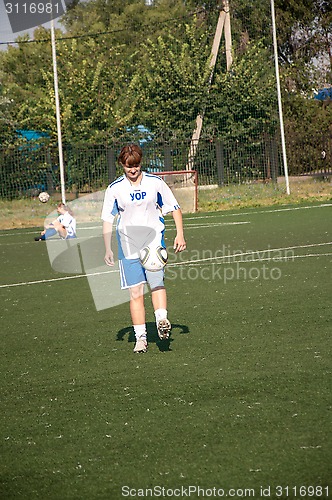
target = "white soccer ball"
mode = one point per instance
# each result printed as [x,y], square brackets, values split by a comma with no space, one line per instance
[44,197]
[153,258]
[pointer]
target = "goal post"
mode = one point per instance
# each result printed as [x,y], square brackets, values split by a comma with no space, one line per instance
[184,185]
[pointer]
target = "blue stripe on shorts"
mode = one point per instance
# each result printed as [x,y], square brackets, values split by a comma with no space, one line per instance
[131,273]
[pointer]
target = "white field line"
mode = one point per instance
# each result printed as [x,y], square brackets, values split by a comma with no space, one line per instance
[260,253]
[240,214]
[64,278]
[199,226]
[211,260]
[275,210]
[275,259]
[211,224]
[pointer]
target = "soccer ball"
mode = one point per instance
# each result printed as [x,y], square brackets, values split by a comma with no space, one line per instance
[153,258]
[44,197]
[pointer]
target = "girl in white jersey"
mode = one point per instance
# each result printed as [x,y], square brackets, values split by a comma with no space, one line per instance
[140,200]
[64,225]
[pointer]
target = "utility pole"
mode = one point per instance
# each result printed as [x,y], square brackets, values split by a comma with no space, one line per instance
[228,36]
[224,21]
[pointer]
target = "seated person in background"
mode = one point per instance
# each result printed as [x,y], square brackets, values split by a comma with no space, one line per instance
[64,225]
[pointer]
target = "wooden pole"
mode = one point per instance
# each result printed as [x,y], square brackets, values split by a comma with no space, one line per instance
[223,21]
[228,36]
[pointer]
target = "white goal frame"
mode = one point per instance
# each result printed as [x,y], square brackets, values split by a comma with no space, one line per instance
[186,187]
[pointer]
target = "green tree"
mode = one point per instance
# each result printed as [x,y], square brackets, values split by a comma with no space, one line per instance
[7,129]
[304,37]
[90,88]
[172,83]
[122,63]
[243,101]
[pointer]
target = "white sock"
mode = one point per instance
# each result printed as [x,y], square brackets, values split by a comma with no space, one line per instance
[160,314]
[140,331]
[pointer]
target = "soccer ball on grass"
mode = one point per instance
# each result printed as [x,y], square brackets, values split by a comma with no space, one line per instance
[153,258]
[44,197]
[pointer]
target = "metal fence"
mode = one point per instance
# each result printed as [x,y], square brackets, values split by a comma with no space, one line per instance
[312,157]
[31,168]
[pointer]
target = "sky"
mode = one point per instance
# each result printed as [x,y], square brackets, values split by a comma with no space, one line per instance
[6,33]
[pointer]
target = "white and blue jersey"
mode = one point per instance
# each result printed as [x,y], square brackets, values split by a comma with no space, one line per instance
[69,222]
[140,210]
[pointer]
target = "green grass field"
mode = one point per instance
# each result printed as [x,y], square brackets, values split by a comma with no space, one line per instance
[238,400]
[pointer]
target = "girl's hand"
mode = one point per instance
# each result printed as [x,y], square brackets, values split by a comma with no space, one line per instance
[179,244]
[109,258]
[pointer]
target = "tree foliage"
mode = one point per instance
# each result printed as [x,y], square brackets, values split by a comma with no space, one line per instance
[121,64]
[244,99]
[305,40]
[174,83]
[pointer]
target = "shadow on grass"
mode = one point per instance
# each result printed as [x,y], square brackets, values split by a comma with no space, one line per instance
[152,335]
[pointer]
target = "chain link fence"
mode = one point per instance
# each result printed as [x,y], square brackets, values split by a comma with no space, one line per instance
[27,170]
